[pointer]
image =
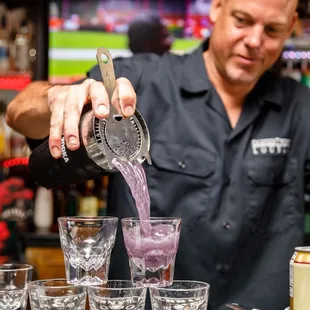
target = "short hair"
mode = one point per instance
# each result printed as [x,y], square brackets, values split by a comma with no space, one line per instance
[142,29]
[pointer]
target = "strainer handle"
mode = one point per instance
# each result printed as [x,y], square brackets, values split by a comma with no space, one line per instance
[105,62]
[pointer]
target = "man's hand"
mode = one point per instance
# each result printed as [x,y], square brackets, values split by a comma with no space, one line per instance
[66,104]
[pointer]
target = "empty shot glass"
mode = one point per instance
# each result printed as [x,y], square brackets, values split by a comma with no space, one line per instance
[56,294]
[14,280]
[87,243]
[151,247]
[181,295]
[117,294]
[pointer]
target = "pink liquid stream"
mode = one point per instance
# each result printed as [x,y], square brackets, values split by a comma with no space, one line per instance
[135,177]
[158,244]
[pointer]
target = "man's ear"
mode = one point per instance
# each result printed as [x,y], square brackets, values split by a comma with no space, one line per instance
[215,9]
[294,24]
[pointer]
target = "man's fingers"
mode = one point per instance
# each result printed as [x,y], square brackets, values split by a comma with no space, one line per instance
[123,99]
[127,97]
[76,98]
[66,104]
[56,126]
[56,99]
[100,99]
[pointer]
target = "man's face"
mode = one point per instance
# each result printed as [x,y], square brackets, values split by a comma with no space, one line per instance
[248,36]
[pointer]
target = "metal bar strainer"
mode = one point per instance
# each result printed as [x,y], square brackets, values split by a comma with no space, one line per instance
[118,137]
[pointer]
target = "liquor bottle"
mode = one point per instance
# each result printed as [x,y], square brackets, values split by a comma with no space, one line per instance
[2,131]
[18,144]
[102,196]
[59,207]
[4,46]
[72,204]
[12,51]
[43,209]
[22,47]
[88,201]
[5,132]
[102,209]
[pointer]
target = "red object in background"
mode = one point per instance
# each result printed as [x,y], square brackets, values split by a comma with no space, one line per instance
[55,24]
[8,163]
[4,233]
[14,81]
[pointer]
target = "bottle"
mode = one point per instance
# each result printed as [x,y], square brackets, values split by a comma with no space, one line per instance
[88,201]
[12,51]
[72,205]
[22,47]
[5,132]
[43,209]
[18,144]
[102,196]
[4,46]
[2,130]
[59,207]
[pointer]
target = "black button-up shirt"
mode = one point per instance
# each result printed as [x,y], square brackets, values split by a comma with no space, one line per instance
[239,191]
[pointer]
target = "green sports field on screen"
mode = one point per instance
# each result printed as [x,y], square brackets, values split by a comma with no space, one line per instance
[75,40]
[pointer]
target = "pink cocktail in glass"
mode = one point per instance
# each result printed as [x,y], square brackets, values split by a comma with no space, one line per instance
[151,247]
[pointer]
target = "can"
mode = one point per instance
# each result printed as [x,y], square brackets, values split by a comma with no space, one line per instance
[300,279]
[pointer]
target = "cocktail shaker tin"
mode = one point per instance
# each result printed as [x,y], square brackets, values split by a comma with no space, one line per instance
[101,140]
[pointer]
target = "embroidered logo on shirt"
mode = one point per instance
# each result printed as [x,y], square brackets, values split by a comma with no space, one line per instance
[271,146]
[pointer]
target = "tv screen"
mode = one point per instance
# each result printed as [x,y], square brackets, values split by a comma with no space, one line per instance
[78,27]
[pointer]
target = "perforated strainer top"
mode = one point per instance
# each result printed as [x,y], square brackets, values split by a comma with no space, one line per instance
[122,137]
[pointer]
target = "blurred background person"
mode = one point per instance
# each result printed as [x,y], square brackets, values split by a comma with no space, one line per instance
[148,34]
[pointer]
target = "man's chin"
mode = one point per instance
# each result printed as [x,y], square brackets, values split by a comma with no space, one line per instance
[242,78]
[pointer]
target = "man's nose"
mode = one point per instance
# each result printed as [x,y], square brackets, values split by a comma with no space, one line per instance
[254,37]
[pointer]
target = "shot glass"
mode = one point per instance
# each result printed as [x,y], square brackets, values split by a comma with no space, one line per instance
[87,243]
[181,295]
[117,294]
[151,247]
[14,280]
[56,294]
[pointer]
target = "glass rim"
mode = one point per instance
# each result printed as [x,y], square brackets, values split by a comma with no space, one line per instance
[86,218]
[129,287]
[203,285]
[15,266]
[152,219]
[68,285]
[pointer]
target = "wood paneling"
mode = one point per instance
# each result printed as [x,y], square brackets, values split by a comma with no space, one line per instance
[48,262]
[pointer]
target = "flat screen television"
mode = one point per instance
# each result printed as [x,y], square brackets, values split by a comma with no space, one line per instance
[78,27]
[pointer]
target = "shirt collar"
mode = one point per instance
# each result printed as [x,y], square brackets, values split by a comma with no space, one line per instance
[195,79]
[269,89]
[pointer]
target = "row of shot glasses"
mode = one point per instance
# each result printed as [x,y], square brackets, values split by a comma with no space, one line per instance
[87,243]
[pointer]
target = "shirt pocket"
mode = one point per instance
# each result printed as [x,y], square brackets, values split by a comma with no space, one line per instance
[179,179]
[271,190]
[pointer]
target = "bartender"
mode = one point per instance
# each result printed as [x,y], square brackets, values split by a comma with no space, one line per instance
[230,145]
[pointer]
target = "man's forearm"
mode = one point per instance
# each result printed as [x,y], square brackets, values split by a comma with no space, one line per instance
[28,113]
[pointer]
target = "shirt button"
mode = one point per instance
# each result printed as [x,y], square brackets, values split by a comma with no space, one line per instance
[222,268]
[227,181]
[219,267]
[226,225]
[181,164]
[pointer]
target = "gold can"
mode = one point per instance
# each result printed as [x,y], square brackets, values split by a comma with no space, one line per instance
[300,279]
